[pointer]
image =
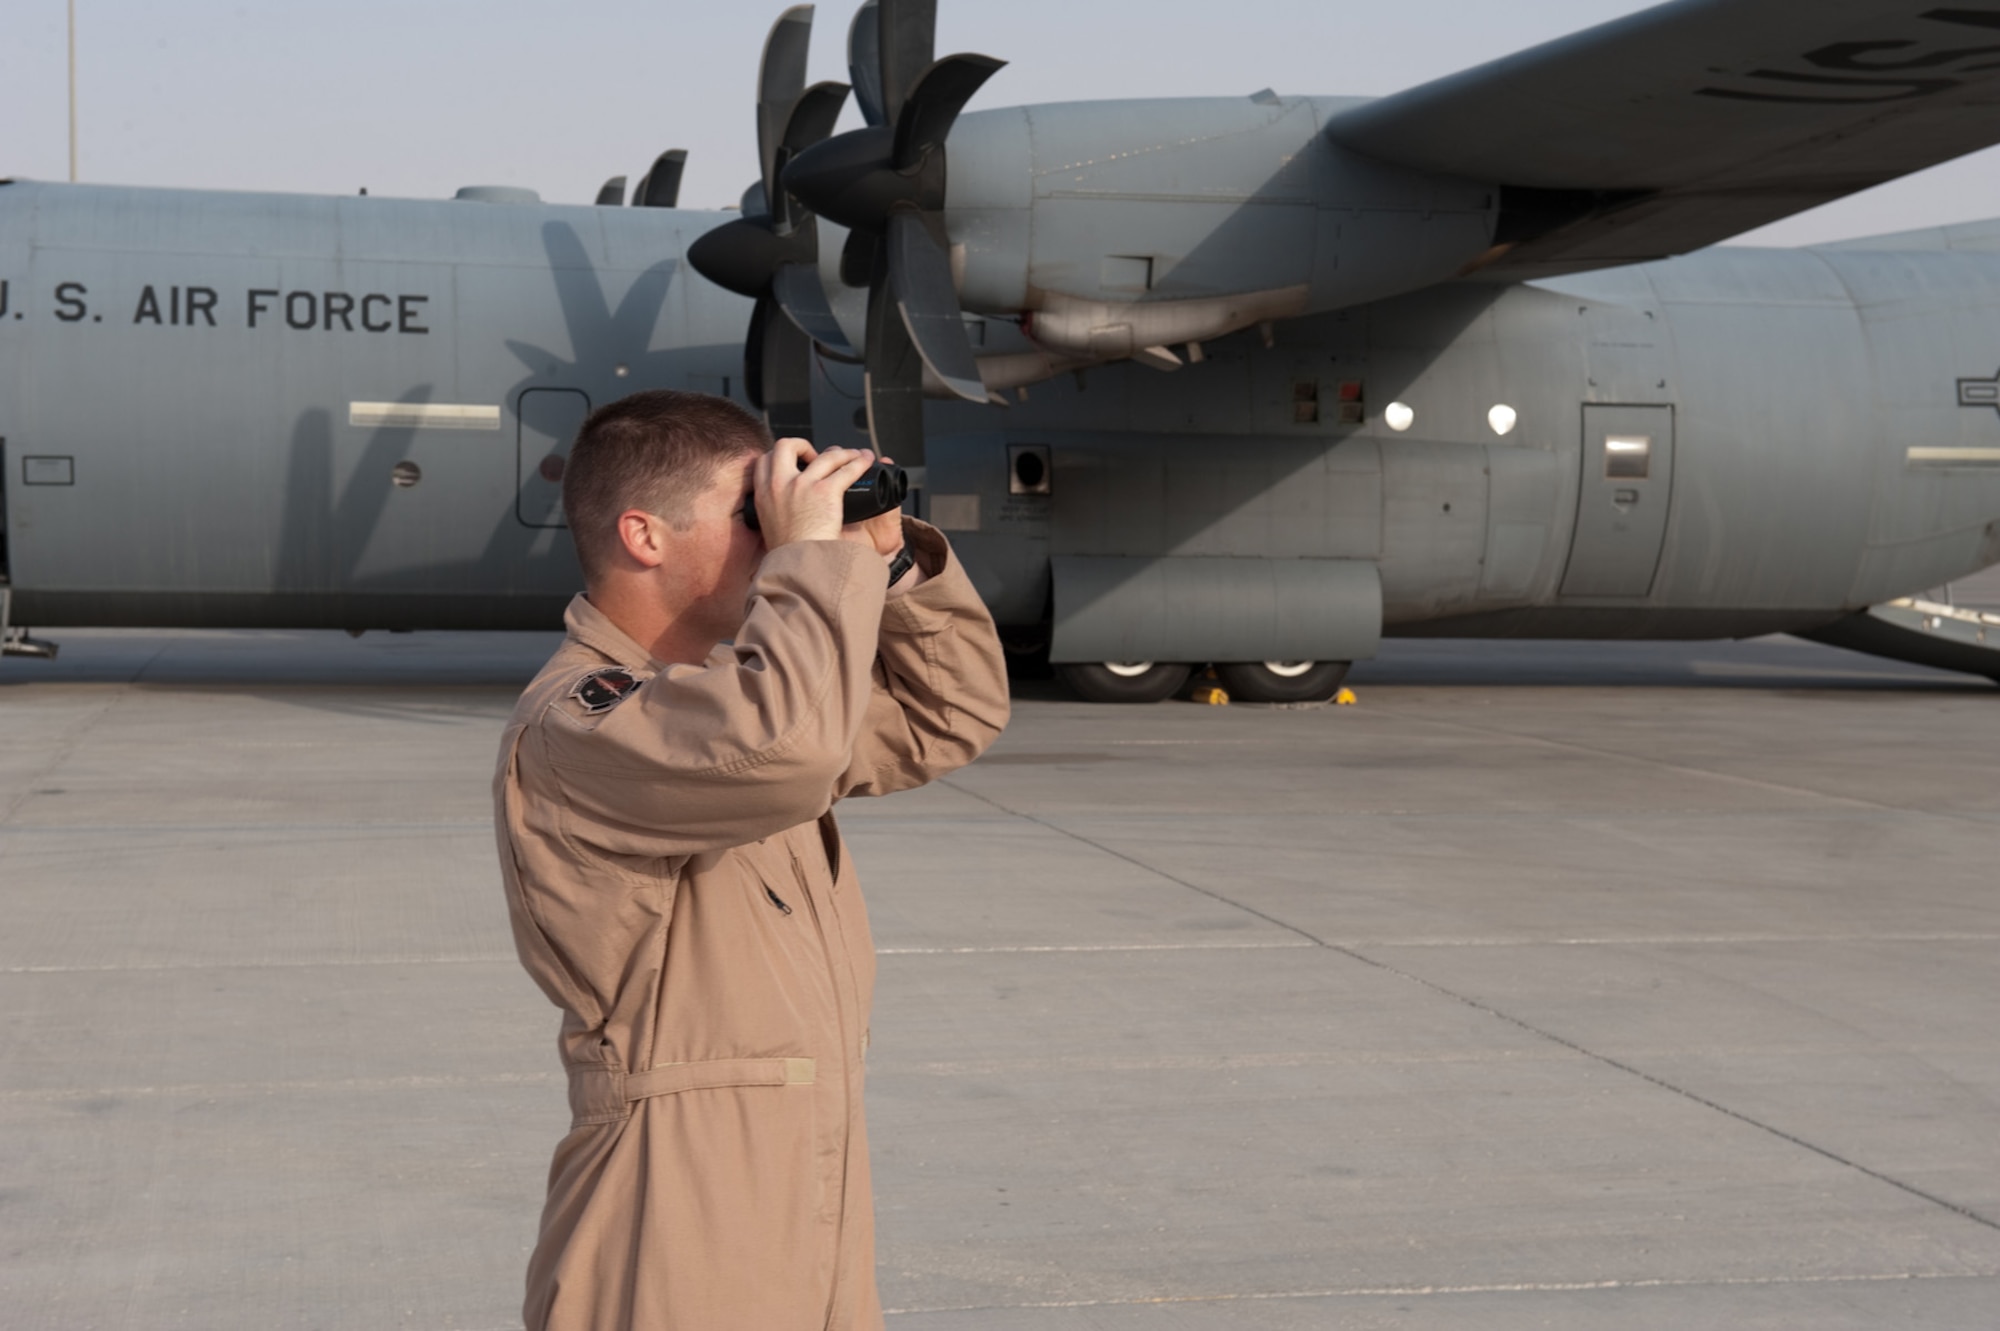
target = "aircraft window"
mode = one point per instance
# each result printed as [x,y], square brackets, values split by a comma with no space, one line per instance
[406,474]
[1399,416]
[1628,457]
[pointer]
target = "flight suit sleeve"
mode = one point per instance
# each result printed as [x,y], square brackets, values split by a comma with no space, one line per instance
[745,745]
[939,694]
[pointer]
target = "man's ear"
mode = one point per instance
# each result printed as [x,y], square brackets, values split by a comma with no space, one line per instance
[642,536]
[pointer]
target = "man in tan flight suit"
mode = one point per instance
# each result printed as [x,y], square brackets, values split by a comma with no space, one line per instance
[676,882]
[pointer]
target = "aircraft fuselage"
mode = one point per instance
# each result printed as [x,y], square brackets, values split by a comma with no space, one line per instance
[265,410]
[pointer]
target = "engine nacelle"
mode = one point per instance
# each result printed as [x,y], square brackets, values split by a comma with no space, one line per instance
[1122,226]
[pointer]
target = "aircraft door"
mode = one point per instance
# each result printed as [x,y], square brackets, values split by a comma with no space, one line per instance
[1621,507]
[549,419]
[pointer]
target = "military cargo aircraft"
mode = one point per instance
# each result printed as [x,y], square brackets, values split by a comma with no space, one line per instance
[1243,382]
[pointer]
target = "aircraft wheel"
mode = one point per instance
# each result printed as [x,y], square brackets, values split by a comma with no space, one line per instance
[1123,681]
[1284,681]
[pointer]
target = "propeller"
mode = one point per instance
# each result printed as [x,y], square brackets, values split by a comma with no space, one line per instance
[661,186]
[771,252]
[886,183]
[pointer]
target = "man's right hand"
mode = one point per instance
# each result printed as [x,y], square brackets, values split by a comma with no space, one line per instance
[795,505]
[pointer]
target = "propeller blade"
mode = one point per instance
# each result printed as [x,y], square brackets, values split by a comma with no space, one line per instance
[781,78]
[906,35]
[857,259]
[800,295]
[921,287]
[661,187]
[812,118]
[939,94]
[612,195]
[864,62]
[859,178]
[894,379]
[753,355]
[786,380]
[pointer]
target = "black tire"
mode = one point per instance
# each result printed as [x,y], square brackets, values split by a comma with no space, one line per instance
[1283,681]
[1146,681]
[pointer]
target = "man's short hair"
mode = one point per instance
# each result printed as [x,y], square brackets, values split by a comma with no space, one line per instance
[655,451]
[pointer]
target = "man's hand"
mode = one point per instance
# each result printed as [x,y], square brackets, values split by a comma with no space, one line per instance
[795,505]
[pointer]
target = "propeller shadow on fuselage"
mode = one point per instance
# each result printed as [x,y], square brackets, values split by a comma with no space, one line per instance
[333,513]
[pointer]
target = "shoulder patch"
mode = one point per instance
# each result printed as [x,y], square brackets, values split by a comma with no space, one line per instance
[602,690]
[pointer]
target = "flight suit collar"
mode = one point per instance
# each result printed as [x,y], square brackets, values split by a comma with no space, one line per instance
[593,628]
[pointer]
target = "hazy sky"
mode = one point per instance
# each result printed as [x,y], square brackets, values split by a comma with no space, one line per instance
[418,97]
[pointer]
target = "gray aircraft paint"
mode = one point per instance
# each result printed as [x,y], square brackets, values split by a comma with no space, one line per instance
[226,461]
[222,445]
[259,409]
[1260,201]
[1790,497]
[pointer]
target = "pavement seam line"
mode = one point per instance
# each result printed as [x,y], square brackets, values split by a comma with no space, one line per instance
[489,959]
[1761,783]
[1665,1085]
[1438,1291]
[357,1085]
[76,738]
[1136,863]
[468,828]
[1605,1059]
[1004,948]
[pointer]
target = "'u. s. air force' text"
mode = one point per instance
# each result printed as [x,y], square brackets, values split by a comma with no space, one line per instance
[257,307]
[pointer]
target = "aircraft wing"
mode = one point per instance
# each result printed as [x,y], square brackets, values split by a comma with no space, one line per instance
[1691,122]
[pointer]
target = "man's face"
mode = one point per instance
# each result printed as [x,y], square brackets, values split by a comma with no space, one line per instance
[718,555]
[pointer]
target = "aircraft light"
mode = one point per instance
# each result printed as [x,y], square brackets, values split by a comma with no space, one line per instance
[1399,416]
[1502,418]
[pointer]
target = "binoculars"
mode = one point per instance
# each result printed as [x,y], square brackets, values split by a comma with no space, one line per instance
[880,490]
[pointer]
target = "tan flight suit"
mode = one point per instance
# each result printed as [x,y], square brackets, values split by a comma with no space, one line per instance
[678,888]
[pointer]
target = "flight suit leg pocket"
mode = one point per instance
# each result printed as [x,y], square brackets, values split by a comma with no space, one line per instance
[734,1181]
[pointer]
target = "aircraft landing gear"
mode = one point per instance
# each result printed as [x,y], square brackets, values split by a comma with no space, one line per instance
[1123,681]
[1283,681]
[16,642]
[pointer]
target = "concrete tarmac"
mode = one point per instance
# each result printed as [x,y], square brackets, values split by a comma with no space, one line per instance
[1553,985]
